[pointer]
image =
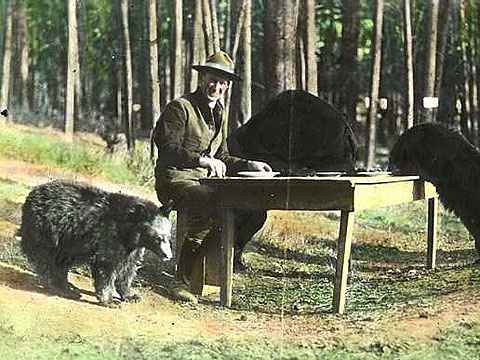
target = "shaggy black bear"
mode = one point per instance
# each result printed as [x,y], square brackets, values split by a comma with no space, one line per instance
[446,159]
[297,132]
[68,223]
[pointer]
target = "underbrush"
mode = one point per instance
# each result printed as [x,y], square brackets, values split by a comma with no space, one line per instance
[12,195]
[86,154]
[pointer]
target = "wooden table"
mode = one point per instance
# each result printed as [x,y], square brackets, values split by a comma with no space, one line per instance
[344,193]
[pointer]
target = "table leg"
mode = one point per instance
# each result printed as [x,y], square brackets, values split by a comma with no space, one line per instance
[227,235]
[344,246]
[432,232]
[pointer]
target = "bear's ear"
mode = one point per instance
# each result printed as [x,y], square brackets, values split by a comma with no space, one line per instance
[137,213]
[167,208]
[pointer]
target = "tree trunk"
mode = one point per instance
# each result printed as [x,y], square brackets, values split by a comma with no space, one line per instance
[178,51]
[167,78]
[310,47]
[246,74]
[476,44]
[280,24]
[207,26]
[127,75]
[119,79]
[7,61]
[141,68]
[300,54]
[215,34]
[227,26]
[237,19]
[72,69]
[449,94]
[188,35]
[371,131]
[443,24]
[81,62]
[408,51]
[232,103]
[464,95]
[24,50]
[472,72]
[153,46]
[113,109]
[428,114]
[328,62]
[348,62]
[198,48]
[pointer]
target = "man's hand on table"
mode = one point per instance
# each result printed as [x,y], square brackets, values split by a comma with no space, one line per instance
[258,166]
[216,168]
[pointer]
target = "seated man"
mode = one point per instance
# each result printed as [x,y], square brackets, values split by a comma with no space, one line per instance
[297,133]
[191,139]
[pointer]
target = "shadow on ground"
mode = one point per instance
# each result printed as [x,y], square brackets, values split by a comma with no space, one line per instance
[25,281]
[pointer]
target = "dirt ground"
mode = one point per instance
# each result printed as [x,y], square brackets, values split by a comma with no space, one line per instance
[156,314]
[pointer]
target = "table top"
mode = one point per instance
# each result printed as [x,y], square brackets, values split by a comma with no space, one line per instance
[375,179]
[319,192]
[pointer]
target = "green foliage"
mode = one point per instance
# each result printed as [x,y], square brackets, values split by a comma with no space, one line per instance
[12,195]
[140,165]
[11,253]
[100,47]
[47,26]
[9,209]
[406,219]
[12,191]
[35,147]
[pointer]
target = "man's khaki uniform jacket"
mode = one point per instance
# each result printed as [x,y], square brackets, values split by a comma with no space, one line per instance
[186,130]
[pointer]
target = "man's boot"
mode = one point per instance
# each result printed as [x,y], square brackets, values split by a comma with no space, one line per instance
[180,286]
[180,290]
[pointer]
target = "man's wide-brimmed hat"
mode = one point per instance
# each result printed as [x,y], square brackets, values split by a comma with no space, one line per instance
[219,63]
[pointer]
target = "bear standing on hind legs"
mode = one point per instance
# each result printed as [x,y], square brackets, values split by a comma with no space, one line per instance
[68,223]
[446,159]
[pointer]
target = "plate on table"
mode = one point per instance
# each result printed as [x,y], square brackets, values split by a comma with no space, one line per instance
[258,174]
[374,173]
[330,173]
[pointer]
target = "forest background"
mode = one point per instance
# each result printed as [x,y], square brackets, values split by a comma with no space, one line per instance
[111,66]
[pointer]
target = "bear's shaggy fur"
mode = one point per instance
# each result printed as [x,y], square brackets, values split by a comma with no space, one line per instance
[297,132]
[68,223]
[446,159]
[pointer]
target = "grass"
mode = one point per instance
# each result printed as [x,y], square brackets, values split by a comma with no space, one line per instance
[288,281]
[461,341]
[78,346]
[302,282]
[12,195]
[86,154]
[290,269]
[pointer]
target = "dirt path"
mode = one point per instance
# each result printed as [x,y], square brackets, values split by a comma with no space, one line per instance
[32,175]
[164,318]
